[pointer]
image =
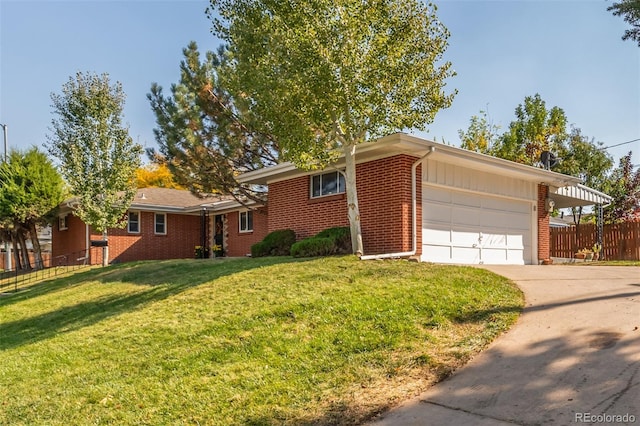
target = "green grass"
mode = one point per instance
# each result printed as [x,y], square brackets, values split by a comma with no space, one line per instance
[250,341]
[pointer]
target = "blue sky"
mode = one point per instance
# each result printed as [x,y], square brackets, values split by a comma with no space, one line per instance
[568,51]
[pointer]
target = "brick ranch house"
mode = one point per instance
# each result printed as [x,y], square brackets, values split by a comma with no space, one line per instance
[417,198]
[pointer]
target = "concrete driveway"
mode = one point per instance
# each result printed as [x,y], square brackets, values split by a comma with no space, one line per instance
[573,357]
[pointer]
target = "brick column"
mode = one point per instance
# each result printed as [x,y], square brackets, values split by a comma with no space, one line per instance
[543,224]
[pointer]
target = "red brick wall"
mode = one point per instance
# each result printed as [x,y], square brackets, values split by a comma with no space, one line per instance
[543,224]
[239,243]
[183,234]
[384,196]
[68,242]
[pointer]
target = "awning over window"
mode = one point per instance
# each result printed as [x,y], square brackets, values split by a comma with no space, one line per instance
[577,195]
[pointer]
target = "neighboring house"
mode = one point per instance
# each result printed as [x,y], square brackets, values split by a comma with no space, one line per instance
[163,224]
[420,198]
[417,198]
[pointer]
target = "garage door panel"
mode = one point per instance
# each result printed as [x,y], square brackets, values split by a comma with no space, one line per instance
[516,241]
[494,240]
[437,213]
[437,195]
[465,216]
[465,255]
[437,236]
[465,236]
[495,256]
[465,199]
[507,206]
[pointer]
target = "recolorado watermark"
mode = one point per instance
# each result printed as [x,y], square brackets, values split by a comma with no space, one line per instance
[604,418]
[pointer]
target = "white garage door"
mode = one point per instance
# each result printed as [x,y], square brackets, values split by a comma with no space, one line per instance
[468,228]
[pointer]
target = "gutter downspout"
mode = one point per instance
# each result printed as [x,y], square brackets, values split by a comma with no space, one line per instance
[414,220]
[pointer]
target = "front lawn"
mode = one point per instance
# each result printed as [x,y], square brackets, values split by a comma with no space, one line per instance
[248,341]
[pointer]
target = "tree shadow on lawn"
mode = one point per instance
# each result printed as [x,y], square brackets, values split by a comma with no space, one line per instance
[163,279]
[545,379]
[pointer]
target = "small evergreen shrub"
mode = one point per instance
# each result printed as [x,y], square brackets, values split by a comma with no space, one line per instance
[259,249]
[312,247]
[276,243]
[341,237]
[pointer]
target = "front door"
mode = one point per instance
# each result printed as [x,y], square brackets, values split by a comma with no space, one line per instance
[218,235]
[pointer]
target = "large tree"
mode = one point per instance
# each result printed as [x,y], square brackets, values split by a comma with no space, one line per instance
[534,130]
[98,158]
[327,75]
[30,191]
[630,9]
[206,134]
[624,186]
[585,158]
[480,136]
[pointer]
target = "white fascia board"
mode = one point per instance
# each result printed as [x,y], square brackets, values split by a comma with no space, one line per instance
[401,143]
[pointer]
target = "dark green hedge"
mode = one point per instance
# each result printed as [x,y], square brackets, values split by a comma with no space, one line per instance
[276,243]
[325,243]
[314,246]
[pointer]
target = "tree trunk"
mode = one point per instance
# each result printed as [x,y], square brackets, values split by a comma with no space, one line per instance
[17,264]
[22,242]
[37,250]
[352,199]
[105,250]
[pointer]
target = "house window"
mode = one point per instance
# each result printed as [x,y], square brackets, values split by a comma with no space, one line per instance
[62,223]
[161,223]
[246,221]
[327,184]
[133,222]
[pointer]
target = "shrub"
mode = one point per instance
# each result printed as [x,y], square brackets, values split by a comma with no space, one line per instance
[314,246]
[259,249]
[276,243]
[341,237]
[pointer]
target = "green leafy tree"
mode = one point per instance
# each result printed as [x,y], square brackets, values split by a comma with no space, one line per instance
[534,130]
[30,191]
[480,136]
[327,75]
[206,135]
[98,158]
[586,159]
[630,9]
[624,186]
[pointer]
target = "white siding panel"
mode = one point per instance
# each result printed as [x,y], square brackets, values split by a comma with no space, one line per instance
[452,176]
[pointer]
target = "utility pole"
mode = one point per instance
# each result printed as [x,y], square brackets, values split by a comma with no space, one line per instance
[7,246]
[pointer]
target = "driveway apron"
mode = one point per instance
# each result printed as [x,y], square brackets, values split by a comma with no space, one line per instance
[573,357]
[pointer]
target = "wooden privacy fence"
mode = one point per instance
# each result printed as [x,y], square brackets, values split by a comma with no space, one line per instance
[620,241]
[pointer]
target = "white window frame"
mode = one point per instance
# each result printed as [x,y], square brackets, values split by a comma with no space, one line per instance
[155,223]
[62,223]
[337,174]
[243,224]
[129,222]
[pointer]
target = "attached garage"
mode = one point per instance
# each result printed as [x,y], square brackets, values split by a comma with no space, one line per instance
[472,214]
[471,228]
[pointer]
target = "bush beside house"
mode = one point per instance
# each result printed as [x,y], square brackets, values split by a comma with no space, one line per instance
[325,243]
[276,243]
